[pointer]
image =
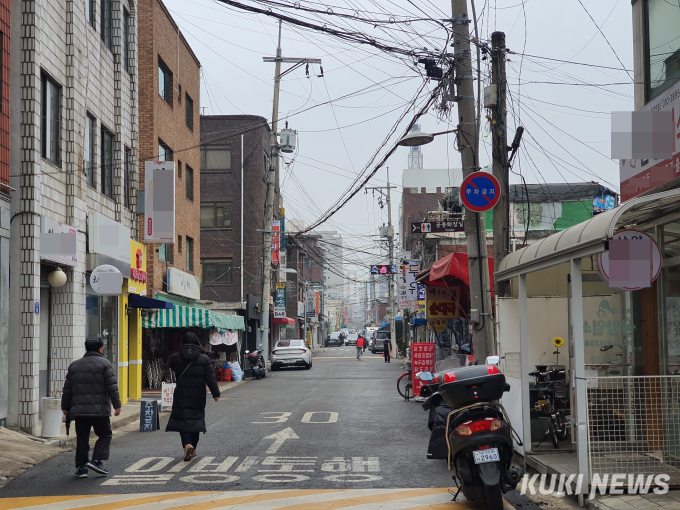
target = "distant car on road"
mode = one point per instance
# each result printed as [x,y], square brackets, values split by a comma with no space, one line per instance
[351,339]
[379,341]
[289,353]
[333,339]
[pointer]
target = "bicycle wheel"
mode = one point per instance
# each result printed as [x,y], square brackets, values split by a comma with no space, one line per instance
[404,385]
[552,429]
[561,426]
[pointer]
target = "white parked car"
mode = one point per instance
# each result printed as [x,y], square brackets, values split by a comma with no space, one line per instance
[291,353]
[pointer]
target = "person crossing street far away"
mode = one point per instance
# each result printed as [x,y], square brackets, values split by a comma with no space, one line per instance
[360,346]
[89,390]
[387,350]
[193,370]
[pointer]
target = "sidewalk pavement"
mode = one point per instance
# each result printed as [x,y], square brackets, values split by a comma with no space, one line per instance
[649,501]
[20,451]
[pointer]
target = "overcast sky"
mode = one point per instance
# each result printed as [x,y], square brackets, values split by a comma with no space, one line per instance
[567,122]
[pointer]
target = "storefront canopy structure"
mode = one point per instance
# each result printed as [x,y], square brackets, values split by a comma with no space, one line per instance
[570,246]
[189,317]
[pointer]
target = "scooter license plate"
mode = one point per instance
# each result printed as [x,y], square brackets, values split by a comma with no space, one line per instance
[484,456]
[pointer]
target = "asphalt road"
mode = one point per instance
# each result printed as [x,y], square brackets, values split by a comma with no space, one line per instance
[340,425]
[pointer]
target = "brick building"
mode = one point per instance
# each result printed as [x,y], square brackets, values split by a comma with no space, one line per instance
[4,201]
[169,99]
[73,74]
[234,161]
[414,207]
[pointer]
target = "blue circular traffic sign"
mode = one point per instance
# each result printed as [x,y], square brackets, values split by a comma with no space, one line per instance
[480,191]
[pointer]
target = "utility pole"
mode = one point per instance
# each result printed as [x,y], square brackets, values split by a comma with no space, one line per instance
[468,144]
[269,204]
[501,213]
[389,234]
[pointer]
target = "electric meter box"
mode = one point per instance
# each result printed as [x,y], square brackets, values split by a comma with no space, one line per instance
[490,96]
[287,139]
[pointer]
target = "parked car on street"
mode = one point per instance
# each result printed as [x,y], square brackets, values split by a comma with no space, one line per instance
[351,339]
[291,353]
[333,339]
[379,341]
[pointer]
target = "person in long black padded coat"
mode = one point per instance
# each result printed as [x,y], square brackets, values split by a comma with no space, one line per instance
[193,370]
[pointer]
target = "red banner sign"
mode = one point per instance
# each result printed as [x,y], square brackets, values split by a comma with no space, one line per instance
[423,358]
[276,240]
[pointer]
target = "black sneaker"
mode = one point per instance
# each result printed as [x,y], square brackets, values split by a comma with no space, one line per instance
[97,466]
[81,472]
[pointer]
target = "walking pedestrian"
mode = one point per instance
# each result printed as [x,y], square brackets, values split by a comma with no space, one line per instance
[193,370]
[360,346]
[89,390]
[387,350]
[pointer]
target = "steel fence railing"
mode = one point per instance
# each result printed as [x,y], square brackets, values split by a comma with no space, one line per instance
[634,426]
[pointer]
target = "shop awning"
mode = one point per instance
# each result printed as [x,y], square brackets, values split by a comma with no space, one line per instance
[451,267]
[137,301]
[189,317]
[419,322]
[283,321]
[590,237]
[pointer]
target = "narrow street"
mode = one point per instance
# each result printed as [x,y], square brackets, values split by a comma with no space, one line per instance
[319,432]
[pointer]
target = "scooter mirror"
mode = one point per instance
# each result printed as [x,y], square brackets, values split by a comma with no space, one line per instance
[247,352]
[425,376]
[493,360]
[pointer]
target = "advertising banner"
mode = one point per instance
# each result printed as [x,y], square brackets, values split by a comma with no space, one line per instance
[317,302]
[422,360]
[276,237]
[401,290]
[159,198]
[311,303]
[279,300]
[441,303]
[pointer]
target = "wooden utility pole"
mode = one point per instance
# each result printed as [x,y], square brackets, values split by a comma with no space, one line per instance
[499,136]
[468,144]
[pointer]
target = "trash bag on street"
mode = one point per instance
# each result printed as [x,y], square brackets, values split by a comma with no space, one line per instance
[236,372]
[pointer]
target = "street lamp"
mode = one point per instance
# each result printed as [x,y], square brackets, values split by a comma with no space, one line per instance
[415,139]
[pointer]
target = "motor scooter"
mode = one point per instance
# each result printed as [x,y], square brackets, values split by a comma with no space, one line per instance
[477,430]
[257,364]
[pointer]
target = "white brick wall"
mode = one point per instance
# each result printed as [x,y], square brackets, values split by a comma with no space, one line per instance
[54,37]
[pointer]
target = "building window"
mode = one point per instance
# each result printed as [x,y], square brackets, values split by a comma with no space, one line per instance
[164,82]
[51,120]
[663,46]
[179,94]
[189,111]
[165,253]
[164,152]
[126,176]
[189,183]
[179,244]
[90,13]
[107,20]
[89,149]
[107,162]
[190,254]
[215,158]
[216,271]
[126,40]
[216,215]
[179,169]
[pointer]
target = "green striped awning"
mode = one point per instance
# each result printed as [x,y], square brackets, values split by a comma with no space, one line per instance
[178,317]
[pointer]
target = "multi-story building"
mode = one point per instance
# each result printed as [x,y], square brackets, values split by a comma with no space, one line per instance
[5,199]
[234,160]
[169,97]
[73,73]
[334,281]
[305,256]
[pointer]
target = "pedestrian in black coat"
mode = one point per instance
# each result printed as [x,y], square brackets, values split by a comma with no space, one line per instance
[89,389]
[193,370]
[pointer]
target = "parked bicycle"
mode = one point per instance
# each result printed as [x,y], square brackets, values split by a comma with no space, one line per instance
[404,384]
[551,405]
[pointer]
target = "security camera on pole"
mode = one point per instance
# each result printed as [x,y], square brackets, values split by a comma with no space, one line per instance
[287,145]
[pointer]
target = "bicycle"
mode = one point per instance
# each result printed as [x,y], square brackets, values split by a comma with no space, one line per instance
[551,406]
[404,385]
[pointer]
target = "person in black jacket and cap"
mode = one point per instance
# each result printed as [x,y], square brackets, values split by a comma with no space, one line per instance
[193,370]
[89,390]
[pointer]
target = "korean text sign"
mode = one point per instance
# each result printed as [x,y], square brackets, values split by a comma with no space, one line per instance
[441,303]
[422,360]
[159,197]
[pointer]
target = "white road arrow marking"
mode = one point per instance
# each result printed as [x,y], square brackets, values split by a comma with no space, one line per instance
[280,438]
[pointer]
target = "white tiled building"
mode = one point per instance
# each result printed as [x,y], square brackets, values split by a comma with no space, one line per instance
[73,153]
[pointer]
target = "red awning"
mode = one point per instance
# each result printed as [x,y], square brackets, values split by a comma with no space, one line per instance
[453,267]
[283,321]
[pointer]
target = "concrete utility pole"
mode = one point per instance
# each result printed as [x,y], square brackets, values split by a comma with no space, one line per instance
[269,204]
[499,136]
[468,144]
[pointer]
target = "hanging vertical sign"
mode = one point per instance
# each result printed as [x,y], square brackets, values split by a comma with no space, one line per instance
[276,256]
[412,269]
[282,221]
[159,199]
[401,290]
[311,303]
[317,302]
[279,300]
